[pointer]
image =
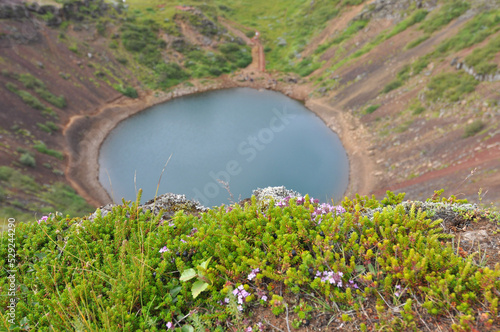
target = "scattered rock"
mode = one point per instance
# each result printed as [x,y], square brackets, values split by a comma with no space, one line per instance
[281,41]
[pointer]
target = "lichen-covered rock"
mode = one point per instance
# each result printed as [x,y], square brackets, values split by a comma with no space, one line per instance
[169,203]
[274,193]
[172,203]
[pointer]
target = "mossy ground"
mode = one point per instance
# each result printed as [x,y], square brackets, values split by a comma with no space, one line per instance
[365,265]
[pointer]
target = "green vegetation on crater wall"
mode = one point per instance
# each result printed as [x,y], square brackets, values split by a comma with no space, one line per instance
[450,86]
[285,27]
[46,198]
[480,58]
[449,11]
[475,31]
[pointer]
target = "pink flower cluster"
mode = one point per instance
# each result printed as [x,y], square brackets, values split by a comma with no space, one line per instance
[44,218]
[331,277]
[253,274]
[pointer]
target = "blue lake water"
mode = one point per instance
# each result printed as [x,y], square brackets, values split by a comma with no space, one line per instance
[244,137]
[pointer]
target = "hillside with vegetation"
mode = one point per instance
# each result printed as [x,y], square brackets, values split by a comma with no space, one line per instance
[412,89]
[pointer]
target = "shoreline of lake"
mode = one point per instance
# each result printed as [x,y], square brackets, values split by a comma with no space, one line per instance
[86,134]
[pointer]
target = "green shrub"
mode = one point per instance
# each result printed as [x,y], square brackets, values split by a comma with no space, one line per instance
[445,15]
[480,57]
[392,86]
[353,28]
[420,65]
[28,98]
[418,110]
[42,148]
[417,17]
[121,60]
[404,73]
[46,95]
[63,198]
[475,31]
[5,173]
[473,128]
[250,34]
[27,160]
[306,67]
[370,109]
[31,82]
[101,28]
[416,42]
[170,74]
[450,86]
[128,91]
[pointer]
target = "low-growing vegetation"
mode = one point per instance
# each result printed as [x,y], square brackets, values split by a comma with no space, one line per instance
[478,29]
[48,197]
[480,58]
[42,148]
[129,269]
[450,86]
[370,109]
[473,128]
[443,16]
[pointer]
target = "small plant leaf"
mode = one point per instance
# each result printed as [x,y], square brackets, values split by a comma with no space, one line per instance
[198,287]
[187,328]
[204,265]
[188,275]
[175,291]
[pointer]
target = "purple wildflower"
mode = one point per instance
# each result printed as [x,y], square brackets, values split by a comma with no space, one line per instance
[264,298]
[164,249]
[352,284]
[169,325]
[253,274]
[397,293]
[331,277]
